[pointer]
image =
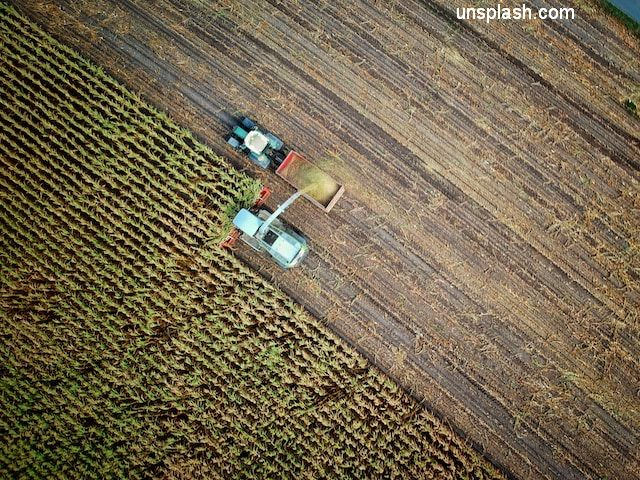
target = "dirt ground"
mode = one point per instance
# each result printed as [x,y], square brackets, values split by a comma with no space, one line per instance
[486,251]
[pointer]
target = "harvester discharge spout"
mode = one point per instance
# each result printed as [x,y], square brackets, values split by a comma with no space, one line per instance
[265,226]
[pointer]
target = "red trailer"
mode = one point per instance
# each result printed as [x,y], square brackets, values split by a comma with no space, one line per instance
[317,186]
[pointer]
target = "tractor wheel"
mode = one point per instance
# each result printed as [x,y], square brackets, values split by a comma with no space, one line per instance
[234,142]
[278,158]
[247,123]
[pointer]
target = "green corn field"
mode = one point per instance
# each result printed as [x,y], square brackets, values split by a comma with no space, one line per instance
[131,345]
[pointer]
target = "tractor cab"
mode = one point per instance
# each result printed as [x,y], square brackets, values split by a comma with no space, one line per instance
[256,141]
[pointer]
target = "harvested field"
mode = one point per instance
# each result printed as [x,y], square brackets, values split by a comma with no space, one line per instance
[486,250]
[131,346]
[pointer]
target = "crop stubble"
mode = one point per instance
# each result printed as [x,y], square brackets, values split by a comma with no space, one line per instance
[486,251]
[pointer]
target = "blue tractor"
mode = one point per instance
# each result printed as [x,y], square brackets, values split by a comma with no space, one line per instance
[263,148]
